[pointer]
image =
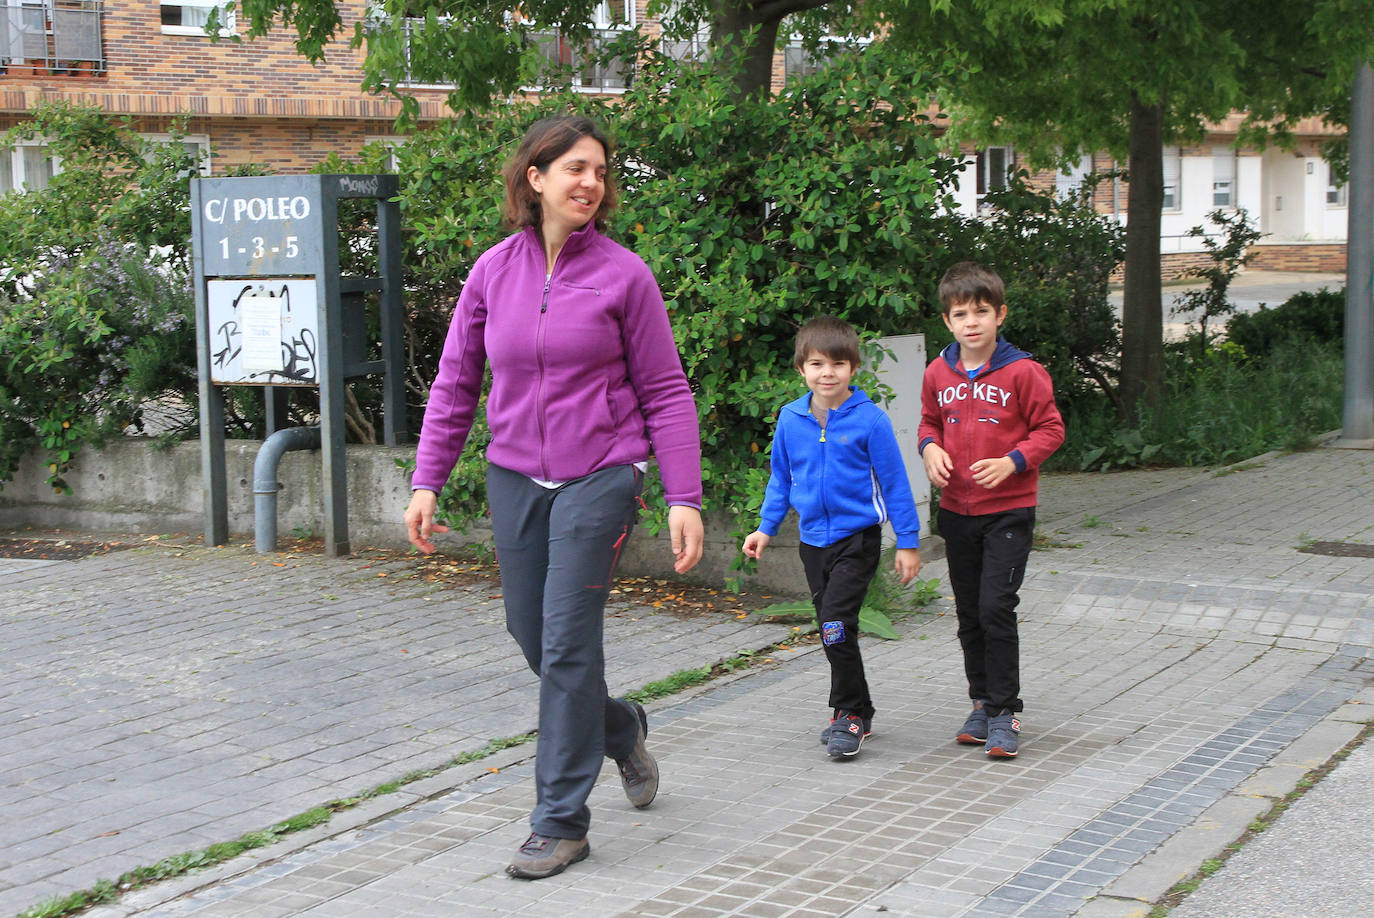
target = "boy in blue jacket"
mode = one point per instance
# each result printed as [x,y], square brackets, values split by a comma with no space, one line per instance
[835,460]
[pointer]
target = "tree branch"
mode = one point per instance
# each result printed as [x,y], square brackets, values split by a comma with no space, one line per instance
[776,9]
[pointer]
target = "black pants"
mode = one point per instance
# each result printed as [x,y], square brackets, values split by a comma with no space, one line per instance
[987,562]
[557,549]
[838,576]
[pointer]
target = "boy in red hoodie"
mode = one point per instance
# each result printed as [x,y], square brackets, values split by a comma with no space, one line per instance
[988,420]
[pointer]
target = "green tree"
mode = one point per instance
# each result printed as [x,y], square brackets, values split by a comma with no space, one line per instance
[1062,77]
[485,49]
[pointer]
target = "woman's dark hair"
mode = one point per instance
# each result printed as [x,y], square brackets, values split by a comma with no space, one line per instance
[545,141]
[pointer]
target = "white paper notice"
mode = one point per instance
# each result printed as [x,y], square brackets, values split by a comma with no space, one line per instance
[260,317]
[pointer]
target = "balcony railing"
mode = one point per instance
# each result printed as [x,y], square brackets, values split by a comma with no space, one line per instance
[583,59]
[52,34]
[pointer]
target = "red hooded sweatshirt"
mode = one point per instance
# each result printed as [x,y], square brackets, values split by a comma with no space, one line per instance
[1005,409]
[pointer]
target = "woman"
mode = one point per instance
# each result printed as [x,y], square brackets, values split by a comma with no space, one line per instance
[586,379]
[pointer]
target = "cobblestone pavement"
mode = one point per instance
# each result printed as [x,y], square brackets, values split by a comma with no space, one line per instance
[1184,663]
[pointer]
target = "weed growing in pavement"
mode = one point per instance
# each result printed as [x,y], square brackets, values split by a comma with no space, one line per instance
[887,600]
[105,891]
[1043,541]
[1091,522]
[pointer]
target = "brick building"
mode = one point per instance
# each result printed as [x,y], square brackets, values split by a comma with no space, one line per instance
[251,101]
[259,101]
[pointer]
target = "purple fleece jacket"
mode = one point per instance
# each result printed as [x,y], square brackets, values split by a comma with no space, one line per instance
[585,374]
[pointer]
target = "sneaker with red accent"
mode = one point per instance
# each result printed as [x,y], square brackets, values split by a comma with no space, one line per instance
[1004,729]
[825,734]
[974,732]
[846,734]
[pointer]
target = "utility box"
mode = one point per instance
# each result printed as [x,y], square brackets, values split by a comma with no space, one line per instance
[902,370]
[274,310]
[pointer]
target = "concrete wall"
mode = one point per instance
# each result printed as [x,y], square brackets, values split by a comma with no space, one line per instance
[133,486]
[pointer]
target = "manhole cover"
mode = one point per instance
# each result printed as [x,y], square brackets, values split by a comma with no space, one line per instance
[1339,549]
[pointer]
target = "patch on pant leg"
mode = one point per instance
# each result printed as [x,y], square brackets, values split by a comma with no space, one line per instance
[832,632]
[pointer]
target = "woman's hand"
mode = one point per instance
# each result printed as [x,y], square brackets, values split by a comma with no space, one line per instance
[686,534]
[420,519]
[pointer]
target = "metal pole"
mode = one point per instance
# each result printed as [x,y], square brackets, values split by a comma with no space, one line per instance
[213,471]
[1357,417]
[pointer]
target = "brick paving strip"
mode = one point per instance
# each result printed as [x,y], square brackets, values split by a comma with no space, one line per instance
[1184,658]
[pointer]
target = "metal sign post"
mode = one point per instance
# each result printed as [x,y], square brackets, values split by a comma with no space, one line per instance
[272,310]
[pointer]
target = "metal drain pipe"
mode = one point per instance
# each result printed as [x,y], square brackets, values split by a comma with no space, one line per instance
[265,484]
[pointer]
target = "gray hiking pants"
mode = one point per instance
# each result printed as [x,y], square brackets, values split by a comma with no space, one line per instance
[557,549]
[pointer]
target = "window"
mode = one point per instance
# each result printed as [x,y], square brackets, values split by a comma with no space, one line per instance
[1172,192]
[994,165]
[198,145]
[191,16]
[1068,182]
[1223,177]
[585,61]
[1336,195]
[27,167]
[55,34]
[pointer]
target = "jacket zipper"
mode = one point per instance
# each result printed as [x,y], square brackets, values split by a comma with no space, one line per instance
[539,389]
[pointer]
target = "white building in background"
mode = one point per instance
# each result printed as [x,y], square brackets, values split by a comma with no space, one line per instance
[1291,195]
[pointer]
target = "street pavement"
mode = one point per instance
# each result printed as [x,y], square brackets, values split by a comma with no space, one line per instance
[1193,643]
[1250,290]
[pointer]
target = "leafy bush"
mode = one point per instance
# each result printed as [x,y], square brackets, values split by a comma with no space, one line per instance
[1316,318]
[93,340]
[1220,408]
[95,299]
[1056,256]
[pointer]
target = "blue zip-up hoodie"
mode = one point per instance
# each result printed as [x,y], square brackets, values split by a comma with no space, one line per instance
[842,478]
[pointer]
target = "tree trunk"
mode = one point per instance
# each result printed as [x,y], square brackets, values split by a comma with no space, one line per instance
[1142,310]
[731,22]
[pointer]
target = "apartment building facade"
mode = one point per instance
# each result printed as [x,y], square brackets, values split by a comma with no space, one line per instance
[1290,195]
[253,101]
[260,102]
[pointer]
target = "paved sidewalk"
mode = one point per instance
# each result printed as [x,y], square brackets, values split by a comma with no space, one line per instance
[1184,665]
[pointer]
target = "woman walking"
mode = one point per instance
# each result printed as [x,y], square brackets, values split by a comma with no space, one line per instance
[586,382]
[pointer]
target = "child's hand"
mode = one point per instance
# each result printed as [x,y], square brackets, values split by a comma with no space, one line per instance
[991,472]
[908,563]
[754,544]
[937,463]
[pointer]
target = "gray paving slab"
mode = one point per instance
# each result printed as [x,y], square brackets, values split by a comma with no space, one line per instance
[1184,664]
[161,699]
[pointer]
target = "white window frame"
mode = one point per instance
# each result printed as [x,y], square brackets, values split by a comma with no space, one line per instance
[200,141]
[603,23]
[1069,181]
[228,19]
[991,177]
[1224,177]
[1337,196]
[1172,198]
[392,142]
[15,164]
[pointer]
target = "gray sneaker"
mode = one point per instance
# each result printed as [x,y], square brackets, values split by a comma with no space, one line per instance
[639,772]
[1003,730]
[542,856]
[974,732]
[846,735]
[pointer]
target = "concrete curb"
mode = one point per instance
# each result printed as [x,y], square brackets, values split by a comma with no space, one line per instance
[1134,894]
